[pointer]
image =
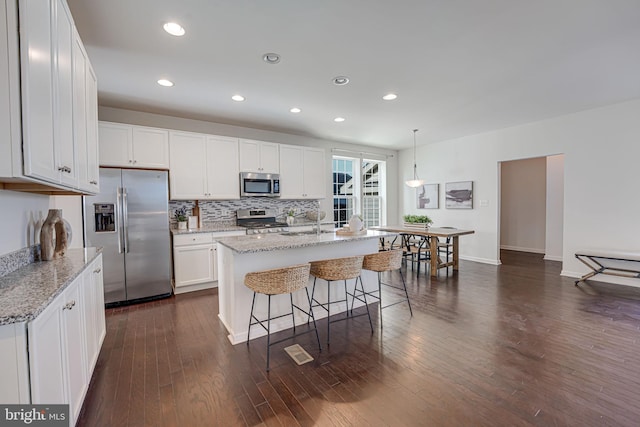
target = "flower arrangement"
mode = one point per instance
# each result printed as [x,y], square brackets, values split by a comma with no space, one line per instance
[180,215]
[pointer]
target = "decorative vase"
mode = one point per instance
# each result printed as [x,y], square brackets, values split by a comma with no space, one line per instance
[355,223]
[53,236]
[182,225]
[291,219]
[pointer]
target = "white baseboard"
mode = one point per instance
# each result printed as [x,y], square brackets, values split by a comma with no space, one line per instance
[521,249]
[553,258]
[481,260]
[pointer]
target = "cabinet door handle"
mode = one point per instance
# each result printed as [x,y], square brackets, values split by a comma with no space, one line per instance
[93,182]
[130,161]
[61,168]
[69,305]
[135,161]
[97,270]
[68,169]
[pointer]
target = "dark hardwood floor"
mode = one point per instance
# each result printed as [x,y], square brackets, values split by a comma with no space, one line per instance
[514,345]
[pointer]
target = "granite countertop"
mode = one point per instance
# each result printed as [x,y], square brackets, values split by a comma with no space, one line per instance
[25,292]
[270,242]
[210,227]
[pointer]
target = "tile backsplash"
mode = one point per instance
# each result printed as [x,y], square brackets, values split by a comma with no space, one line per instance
[225,210]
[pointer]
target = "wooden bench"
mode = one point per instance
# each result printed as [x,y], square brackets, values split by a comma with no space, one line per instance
[622,264]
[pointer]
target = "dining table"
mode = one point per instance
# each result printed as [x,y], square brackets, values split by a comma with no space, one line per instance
[432,234]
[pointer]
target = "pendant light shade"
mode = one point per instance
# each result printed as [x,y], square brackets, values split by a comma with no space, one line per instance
[415,182]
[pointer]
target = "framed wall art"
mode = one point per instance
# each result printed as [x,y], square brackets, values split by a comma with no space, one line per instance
[428,196]
[459,195]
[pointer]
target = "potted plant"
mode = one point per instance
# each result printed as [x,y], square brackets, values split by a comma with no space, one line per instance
[181,217]
[417,221]
[291,216]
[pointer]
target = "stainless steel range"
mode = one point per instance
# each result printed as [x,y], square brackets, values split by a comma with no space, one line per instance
[259,221]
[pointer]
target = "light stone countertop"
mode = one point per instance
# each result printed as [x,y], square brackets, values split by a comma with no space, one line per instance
[210,227]
[272,242]
[27,291]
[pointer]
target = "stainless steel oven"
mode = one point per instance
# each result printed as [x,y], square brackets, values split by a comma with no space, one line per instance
[259,184]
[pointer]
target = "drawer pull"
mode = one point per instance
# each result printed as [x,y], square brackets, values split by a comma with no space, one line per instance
[93,182]
[97,270]
[69,305]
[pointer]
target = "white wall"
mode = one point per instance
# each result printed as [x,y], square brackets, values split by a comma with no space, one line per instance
[555,208]
[169,122]
[601,150]
[72,212]
[21,216]
[523,212]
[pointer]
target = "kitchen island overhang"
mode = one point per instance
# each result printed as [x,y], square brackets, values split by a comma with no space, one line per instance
[240,255]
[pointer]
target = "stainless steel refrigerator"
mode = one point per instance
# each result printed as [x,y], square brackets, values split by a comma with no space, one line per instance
[129,220]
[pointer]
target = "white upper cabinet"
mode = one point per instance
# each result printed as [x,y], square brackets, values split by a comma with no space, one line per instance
[203,167]
[91,96]
[37,62]
[188,173]
[302,172]
[42,91]
[133,146]
[84,119]
[259,156]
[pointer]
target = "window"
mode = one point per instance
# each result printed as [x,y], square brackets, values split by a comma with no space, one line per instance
[358,187]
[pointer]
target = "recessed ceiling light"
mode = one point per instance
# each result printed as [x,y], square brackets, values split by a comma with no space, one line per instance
[340,80]
[390,97]
[295,110]
[271,58]
[238,98]
[165,82]
[339,119]
[174,29]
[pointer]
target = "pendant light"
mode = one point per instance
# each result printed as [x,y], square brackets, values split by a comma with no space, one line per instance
[415,182]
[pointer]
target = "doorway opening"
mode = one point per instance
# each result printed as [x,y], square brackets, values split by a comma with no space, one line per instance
[532,206]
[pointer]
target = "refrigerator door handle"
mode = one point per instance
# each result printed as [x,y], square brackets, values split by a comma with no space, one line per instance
[119,218]
[125,214]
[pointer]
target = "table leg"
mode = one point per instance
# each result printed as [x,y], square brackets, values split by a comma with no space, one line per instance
[433,249]
[455,253]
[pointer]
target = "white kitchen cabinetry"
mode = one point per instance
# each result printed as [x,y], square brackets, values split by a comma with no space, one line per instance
[195,261]
[203,167]
[302,172]
[40,144]
[259,156]
[85,118]
[64,340]
[94,313]
[14,375]
[133,146]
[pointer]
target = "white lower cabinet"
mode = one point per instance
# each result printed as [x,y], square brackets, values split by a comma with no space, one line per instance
[65,340]
[195,260]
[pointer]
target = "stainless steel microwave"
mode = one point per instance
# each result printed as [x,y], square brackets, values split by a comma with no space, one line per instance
[259,184]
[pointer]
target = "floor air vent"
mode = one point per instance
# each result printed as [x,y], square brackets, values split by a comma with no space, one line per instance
[298,354]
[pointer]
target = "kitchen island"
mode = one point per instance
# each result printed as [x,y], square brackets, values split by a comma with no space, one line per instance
[240,255]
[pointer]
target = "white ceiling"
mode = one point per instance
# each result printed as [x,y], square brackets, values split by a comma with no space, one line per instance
[459,67]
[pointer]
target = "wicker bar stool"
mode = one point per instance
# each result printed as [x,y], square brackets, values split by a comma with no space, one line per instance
[279,281]
[332,270]
[381,262]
